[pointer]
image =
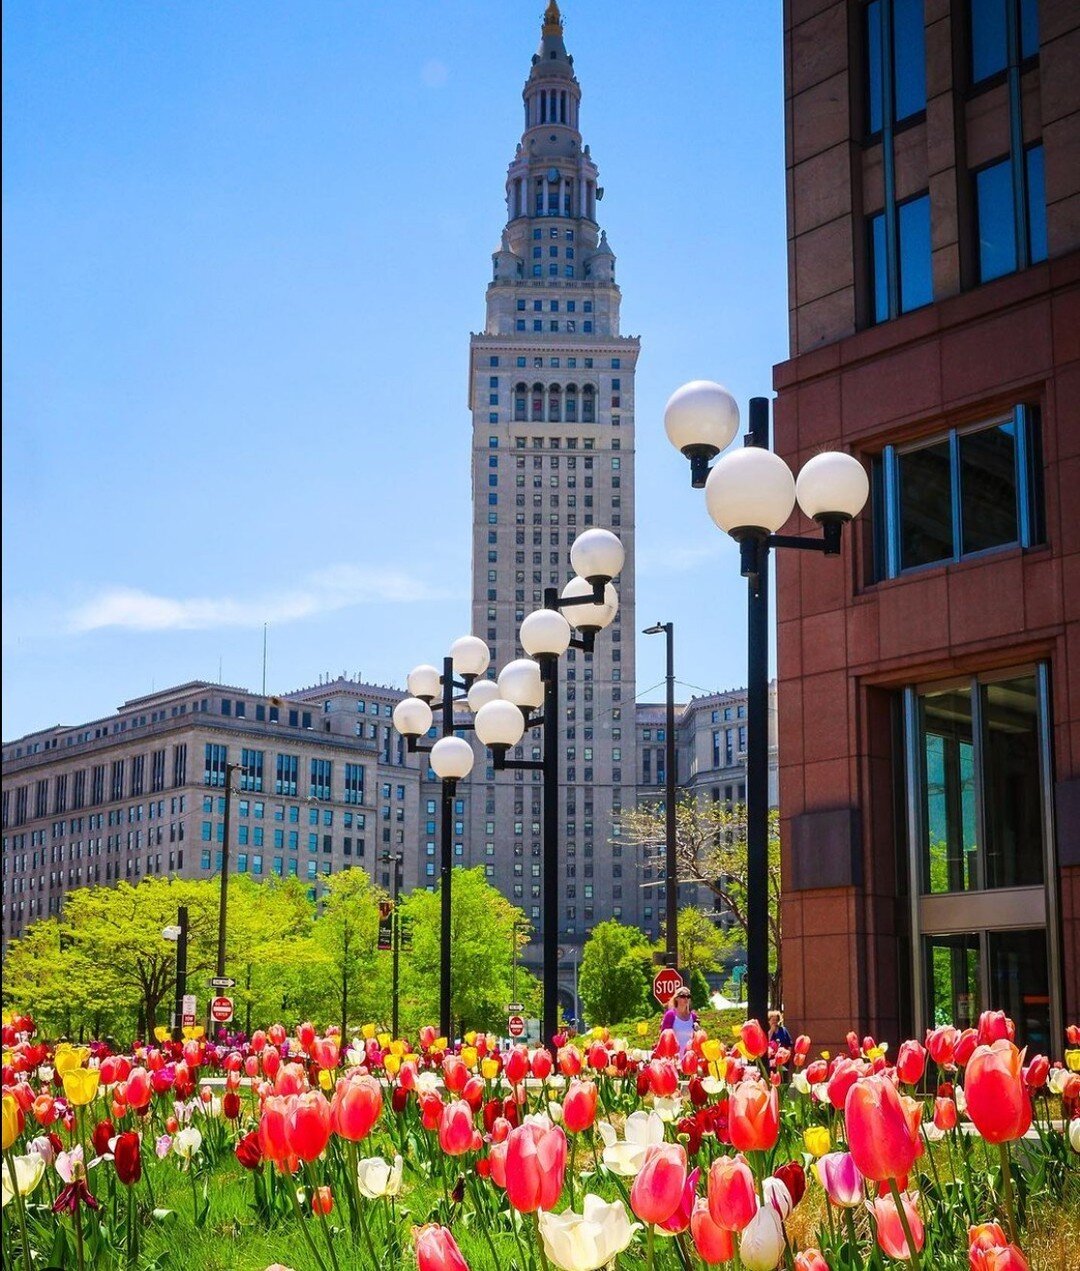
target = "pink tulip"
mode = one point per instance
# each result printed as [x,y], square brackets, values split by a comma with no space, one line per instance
[714,1243]
[890,1229]
[456,1128]
[437,1250]
[810,1260]
[733,1200]
[880,1134]
[658,1187]
[535,1165]
[680,1219]
[841,1179]
[910,1063]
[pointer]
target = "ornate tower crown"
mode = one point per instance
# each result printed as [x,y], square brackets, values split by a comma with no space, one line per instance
[552,20]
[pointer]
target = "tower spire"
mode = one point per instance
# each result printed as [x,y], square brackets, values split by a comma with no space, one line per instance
[553,22]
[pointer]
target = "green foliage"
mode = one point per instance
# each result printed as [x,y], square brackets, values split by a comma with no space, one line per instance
[485,930]
[615,975]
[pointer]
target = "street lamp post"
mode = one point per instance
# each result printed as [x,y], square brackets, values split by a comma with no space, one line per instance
[451,759]
[398,859]
[526,696]
[223,904]
[671,866]
[750,494]
[179,933]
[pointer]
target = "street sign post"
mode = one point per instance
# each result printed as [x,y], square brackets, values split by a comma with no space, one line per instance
[515,1008]
[222,982]
[665,983]
[221,1010]
[187,1011]
[515,1026]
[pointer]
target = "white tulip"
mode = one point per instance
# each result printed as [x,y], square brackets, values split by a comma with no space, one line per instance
[777,1195]
[762,1242]
[555,1111]
[800,1083]
[427,1083]
[187,1142]
[29,1171]
[642,1131]
[667,1109]
[589,1240]
[1057,1079]
[376,1178]
[1074,1134]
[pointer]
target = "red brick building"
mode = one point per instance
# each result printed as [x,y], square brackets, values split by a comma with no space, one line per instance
[929,682]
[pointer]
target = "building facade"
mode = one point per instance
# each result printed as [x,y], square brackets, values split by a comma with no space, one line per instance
[551,390]
[928,681]
[322,784]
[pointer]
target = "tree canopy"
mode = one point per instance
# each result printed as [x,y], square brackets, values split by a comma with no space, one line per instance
[615,973]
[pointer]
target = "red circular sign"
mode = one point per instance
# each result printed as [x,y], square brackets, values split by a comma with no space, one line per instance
[221,1010]
[665,982]
[516,1026]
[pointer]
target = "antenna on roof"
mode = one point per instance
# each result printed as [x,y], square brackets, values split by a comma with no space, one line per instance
[265,626]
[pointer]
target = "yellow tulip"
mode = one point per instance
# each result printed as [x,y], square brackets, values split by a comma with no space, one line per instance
[368,1032]
[68,1057]
[396,1048]
[825,1055]
[470,1037]
[193,1032]
[440,1043]
[11,1120]
[161,1033]
[392,1064]
[876,1052]
[489,1069]
[712,1050]
[80,1085]
[1072,1060]
[816,1138]
[597,1033]
[642,1030]
[384,1040]
[325,1080]
[410,1059]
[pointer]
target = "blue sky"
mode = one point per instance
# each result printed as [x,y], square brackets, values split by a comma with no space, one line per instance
[244,248]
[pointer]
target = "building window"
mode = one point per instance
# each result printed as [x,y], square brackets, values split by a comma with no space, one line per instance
[354,783]
[990,25]
[287,775]
[1010,214]
[970,491]
[895,53]
[251,770]
[977,793]
[215,765]
[900,279]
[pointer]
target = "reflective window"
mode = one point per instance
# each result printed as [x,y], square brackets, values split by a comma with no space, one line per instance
[925,480]
[913,263]
[988,25]
[994,217]
[894,30]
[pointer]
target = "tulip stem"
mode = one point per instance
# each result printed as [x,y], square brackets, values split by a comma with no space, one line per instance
[367,1235]
[79,1255]
[540,1241]
[317,1206]
[290,1187]
[1007,1188]
[902,1215]
[19,1206]
[484,1225]
[650,1243]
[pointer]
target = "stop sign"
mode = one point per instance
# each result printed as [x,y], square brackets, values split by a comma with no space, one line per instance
[221,1010]
[665,982]
[515,1026]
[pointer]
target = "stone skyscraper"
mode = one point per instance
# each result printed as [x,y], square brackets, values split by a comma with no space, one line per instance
[552,399]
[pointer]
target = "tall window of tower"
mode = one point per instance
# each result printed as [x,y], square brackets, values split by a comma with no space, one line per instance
[571,403]
[554,404]
[539,196]
[537,403]
[588,404]
[520,393]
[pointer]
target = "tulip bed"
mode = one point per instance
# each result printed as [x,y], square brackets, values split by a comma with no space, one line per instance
[959,1152]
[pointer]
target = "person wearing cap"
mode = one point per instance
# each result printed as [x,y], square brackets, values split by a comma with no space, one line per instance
[682,1021]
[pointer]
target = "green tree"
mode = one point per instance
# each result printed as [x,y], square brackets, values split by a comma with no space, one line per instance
[710,850]
[702,945]
[486,931]
[347,979]
[614,978]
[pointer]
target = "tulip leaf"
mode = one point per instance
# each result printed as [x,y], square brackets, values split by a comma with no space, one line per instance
[164,1215]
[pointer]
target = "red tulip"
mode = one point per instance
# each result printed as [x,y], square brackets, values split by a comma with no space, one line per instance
[658,1187]
[680,1218]
[326,1052]
[754,1038]
[305,1035]
[879,1130]
[910,1063]
[428,1037]
[941,1043]
[890,1229]
[436,1250]
[516,1067]
[569,1061]
[810,1260]
[713,1242]
[290,1079]
[322,1202]
[127,1157]
[754,1117]
[431,1110]
[473,1093]
[258,1040]
[667,1044]
[598,1056]
[138,1091]
[540,1064]
[273,1132]
[535,1165]
[230,1105]
[995,1026]
[733,1200]
[793,1176]
[356,1106]
[997,1099]
[271,1061]
[456,1128]
[663,1077]
[817,1072]
[965,1046]
[945,1114]
[248,1152]
[843,1077]
[1036,1073]
[44,1109]
[454,1074]
[100,1136]
[579,1106]
[998,1258]
[308,1125]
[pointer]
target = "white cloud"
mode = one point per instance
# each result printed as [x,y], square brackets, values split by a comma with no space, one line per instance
[330,589]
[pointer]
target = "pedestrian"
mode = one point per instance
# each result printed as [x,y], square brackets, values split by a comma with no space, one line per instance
[778,1034]
[682,1021]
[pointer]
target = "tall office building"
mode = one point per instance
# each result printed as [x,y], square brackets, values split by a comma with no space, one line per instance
[552,398]
[929,712]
